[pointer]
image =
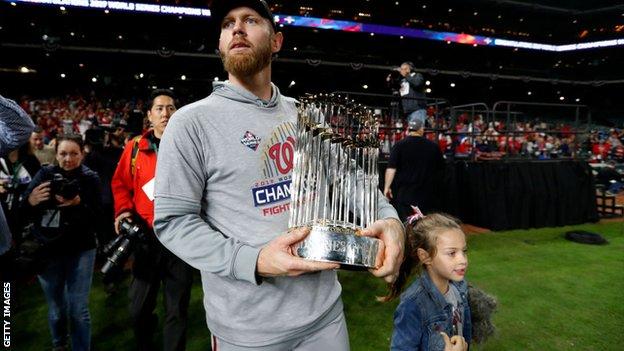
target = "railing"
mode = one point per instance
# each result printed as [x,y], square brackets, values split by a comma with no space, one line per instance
[444,120]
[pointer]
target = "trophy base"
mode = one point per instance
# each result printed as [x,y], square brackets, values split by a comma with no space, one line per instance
[330,243]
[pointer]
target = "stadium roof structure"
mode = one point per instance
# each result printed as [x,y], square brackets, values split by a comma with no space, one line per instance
[51,37]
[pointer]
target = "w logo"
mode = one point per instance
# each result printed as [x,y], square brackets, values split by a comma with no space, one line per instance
[283,155]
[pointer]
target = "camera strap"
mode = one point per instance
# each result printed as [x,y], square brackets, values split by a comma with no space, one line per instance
[135,154]
[51,219]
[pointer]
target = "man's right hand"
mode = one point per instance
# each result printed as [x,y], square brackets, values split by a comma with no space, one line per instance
[120,217]
[277,258]
[456,343]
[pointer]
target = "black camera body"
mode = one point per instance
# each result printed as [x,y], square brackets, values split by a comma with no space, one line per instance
[64,187]
[119,249]
[394,80]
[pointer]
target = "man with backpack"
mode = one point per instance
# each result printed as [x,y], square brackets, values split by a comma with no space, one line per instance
[133,192]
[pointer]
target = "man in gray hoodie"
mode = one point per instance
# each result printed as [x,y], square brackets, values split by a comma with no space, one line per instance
[222,197]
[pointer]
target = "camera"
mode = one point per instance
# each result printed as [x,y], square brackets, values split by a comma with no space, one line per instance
[64,187]
[393,80]
[119,249]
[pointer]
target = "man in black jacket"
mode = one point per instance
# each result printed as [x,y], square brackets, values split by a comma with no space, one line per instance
[412,93]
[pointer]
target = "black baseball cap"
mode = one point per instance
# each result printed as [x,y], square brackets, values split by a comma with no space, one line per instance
[220,8]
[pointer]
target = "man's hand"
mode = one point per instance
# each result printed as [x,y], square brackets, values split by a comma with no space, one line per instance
[388,193]
[277,258]
[456,343]
[63,202]
[39,194]
[390,231]
[120,217]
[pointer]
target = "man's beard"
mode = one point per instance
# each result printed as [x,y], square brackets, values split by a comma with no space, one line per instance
[247,64]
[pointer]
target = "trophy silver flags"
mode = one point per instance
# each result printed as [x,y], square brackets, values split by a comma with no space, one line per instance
[335,181]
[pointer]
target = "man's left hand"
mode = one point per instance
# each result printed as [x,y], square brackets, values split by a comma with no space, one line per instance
[391,232]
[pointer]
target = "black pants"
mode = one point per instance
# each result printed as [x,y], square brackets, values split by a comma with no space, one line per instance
[154,264]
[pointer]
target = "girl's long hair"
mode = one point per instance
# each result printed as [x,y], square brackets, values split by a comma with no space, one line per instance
[421,234]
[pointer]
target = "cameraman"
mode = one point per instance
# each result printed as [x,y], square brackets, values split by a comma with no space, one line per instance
[64,203]
[411,91]
[133,192]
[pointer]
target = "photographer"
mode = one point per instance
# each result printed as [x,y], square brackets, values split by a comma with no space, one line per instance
[15,128]
[133,192]
[411,90]
[16,171]
[64,203]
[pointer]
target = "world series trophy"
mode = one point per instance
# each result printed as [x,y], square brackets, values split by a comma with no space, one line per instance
[335,182]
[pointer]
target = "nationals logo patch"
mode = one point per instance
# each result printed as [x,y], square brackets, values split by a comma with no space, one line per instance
[250,140]
[271,193]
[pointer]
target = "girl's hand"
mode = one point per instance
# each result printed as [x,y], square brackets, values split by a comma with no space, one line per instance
[39,194]
[456,343]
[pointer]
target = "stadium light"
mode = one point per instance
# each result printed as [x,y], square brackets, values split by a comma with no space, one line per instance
[341,25]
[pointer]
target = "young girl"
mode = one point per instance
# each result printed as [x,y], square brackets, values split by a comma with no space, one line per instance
[435,306]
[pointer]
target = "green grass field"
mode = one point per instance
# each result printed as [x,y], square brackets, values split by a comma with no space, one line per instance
[553,294]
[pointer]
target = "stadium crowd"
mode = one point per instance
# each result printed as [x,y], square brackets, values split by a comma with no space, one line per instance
[466,136]
[473,137]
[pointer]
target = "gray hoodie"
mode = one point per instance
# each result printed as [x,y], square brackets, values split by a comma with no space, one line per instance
[222,192]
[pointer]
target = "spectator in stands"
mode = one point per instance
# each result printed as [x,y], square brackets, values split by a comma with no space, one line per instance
[44,153]
[564,148]
[601,149]
[133,192]
[66,215]
[614,139]
[256,294]
[414,171]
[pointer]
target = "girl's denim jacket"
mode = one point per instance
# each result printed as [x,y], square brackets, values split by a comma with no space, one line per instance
[423,313]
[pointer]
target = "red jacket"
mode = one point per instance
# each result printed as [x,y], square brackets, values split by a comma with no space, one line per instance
[127,188]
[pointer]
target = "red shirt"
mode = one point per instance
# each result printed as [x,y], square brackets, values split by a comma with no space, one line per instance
[127,188]
[601,149]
